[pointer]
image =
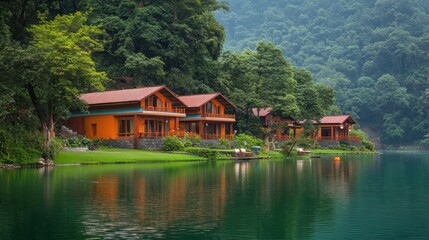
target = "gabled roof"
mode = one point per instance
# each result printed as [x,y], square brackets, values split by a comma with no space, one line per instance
[262,111]
[341,119]
[198,100]
[128,95]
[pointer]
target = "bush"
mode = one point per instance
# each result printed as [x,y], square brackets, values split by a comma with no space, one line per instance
[243,141]
[353,148]
[210,154]
[19,145]
[172,144]
[304,143]
[77,141]
[357,132]
[368,145]
[224,143]
[54,149]
[191,140]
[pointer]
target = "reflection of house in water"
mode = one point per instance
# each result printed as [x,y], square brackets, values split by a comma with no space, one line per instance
[106,194]
[241,170]
[161,203]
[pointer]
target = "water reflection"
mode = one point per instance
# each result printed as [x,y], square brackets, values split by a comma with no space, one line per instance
[269,199]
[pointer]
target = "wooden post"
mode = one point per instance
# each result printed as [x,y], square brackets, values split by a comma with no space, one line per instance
[136,131]
[332,133]
[202,130]
[176,125]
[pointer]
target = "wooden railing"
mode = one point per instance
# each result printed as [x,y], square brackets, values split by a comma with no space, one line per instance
[163,109]
[218,136]
[340,138]
[218,115]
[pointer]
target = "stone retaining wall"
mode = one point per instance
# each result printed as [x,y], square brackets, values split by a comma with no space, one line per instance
[153,143]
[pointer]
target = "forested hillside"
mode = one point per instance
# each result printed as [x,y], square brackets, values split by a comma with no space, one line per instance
[374,53]
[52,51]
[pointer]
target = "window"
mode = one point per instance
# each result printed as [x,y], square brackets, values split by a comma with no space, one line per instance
[126,127]
[94,129]
[326,132]
[209,107]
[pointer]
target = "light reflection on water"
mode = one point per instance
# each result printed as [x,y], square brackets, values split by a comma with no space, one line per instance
[360,197]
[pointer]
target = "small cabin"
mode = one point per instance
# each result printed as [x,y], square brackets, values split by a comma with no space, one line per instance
[336,128]
[285,127]
[208,116]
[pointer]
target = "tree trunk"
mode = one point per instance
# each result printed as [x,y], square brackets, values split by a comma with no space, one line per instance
[47,123]
[48,131]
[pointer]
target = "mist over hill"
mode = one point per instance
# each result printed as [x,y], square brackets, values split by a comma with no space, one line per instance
[375,54]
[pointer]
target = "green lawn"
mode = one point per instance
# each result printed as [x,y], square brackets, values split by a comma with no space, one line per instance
[114,155]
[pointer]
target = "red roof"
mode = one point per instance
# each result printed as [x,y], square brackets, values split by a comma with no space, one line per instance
[197,100]
[126,95]
[337,119]
[262,111]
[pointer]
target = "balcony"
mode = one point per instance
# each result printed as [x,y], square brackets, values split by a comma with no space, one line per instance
[162,109]
[218,115]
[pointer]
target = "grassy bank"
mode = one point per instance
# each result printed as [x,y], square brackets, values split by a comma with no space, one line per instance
[337,151]
[114,155]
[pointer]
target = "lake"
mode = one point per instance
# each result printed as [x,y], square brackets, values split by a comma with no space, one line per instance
[382,196]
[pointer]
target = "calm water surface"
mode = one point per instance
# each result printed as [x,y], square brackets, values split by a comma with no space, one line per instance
[361,197]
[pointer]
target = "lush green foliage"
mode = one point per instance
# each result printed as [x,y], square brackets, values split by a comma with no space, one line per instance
[207,153]
[247,141]
[373,53]
[77,141]
[224,143]
[54,69]
[191,140]
[172,144]
[175,43]
[19,145]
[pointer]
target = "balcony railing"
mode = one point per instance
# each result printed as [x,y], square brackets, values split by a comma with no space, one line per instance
[218,115]
[218,136]
[163,109]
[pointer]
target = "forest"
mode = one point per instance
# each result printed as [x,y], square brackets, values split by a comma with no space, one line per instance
[52,51]
[373,53]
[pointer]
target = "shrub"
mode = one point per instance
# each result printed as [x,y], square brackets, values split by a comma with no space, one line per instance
[224,143]
[55,148]
[357,132]
[191,140]
[210,154]
[77,141]
[243,141]
[172,144]
[304,143]
[353,148]
[19,145]
[368,145]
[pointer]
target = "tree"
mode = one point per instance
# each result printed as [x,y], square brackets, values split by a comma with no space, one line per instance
[55,68]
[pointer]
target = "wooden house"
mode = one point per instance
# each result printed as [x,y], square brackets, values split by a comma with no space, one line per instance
[205,116]
[283,127]
[336,128]
[148,112]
